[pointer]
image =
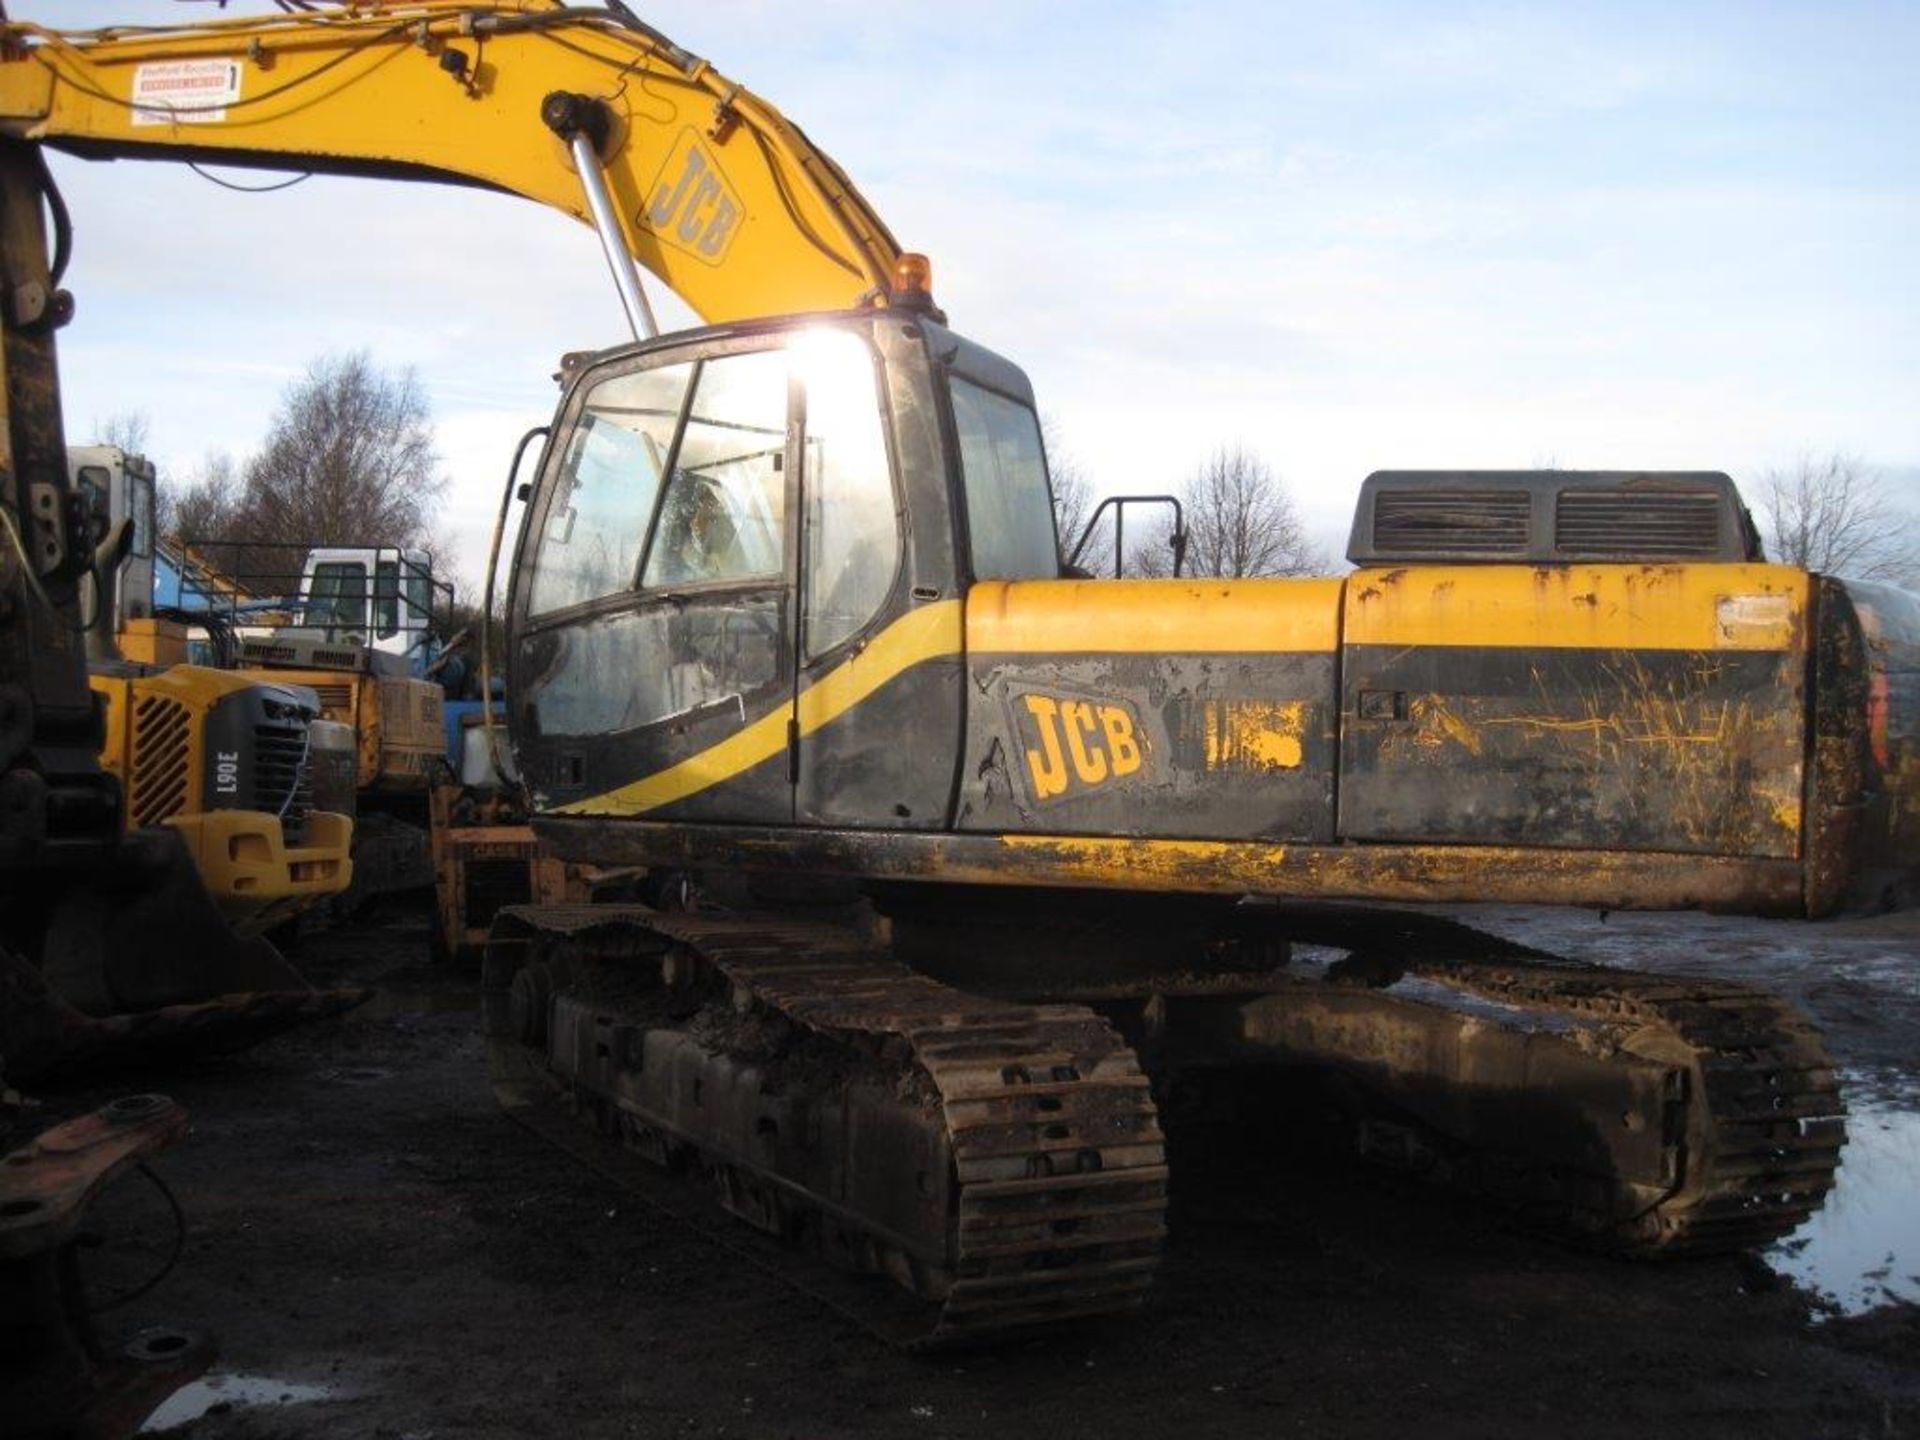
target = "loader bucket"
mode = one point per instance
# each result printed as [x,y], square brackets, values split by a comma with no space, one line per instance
[134,965]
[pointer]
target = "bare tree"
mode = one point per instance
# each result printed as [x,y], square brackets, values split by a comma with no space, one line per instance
[128,429]
[1835,515]
[348,460]
[1072,492]
[1240,520]
[207,505]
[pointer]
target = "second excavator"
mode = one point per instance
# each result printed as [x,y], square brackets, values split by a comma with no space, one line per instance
[788,614]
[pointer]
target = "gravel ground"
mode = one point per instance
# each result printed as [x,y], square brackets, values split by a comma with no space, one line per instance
[373,1241]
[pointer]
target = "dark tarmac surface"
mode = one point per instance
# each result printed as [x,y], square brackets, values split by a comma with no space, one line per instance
[372,1239]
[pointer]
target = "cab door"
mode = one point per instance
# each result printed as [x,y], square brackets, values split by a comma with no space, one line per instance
[878,705]
[652,673]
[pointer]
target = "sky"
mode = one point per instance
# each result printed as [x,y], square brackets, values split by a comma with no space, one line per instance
[1352,237]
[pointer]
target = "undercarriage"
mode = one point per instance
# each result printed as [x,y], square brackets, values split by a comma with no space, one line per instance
[946,1116]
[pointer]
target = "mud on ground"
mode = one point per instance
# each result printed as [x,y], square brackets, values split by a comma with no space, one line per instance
[371,1238]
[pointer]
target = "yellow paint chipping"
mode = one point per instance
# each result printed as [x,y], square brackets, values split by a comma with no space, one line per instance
[1422,873]
[1703,607]
[1255,734]
[1147,863]
[1435,722]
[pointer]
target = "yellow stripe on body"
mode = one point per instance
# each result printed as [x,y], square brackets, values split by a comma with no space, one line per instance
[928,633]
[1613,607]
[1171,617]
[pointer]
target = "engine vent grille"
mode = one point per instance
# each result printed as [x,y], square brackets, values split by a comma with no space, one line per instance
[282,778]
[1550,517]
[302,654]
[1650,524]
[335,700]
[160,760]
[1416,524]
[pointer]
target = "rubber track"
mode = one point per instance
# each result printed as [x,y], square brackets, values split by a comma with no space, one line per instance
[1055,1139]
[1761,1156]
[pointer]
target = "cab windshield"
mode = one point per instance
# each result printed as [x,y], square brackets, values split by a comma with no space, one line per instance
[338,594]
[676,477]
[597,521]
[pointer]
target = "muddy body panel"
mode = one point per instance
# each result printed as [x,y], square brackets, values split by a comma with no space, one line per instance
[1657,754]
[1605,707]
[1419,874]
[1611,736]
[1204,708]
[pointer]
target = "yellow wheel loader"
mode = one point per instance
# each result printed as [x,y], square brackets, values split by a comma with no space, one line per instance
[226,761]
[352,626]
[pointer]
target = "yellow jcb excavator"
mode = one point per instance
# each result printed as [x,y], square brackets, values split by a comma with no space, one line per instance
[787,601]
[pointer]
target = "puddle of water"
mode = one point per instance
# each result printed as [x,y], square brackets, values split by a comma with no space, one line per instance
[1862,1248]
[190,1402]
[1445,997]
[1511,1017]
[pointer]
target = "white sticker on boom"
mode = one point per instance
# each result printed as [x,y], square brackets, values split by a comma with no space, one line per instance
[173,92]
[1755,619]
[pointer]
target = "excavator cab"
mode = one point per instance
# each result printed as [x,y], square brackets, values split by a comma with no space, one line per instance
[739,553]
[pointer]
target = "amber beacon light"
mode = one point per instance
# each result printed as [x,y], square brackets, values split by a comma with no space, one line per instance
[913,275]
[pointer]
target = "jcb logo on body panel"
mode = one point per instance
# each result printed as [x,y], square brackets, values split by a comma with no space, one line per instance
[1075,745]
[690,205]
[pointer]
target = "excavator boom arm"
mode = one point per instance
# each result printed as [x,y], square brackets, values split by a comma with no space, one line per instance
[716,192]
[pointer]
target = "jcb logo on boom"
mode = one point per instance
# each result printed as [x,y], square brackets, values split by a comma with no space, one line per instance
[1077,744]
[691,205]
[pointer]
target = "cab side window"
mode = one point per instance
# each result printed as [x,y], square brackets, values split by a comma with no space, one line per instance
[386,598]
[723,517]
[95,484]
[1009,506]
[140,508]
[853,528]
